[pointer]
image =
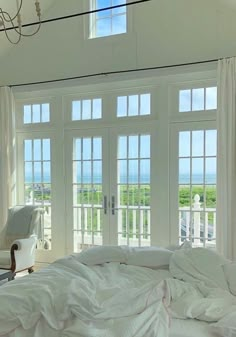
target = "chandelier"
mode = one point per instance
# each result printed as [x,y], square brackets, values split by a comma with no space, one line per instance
[13,22]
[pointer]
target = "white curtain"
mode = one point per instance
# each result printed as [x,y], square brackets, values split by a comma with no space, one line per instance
[226,158]
[7,153]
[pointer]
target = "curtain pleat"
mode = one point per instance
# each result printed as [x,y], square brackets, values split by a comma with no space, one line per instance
[7,153]
[226,158]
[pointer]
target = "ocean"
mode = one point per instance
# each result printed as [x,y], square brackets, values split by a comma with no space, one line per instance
[184,179]
[197,179]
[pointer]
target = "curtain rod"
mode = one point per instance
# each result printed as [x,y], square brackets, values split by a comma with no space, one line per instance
[77,14]
[113,73]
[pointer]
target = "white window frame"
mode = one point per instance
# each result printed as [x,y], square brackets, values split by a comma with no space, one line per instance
[201,115]
[184,121]
[44,130]
[35,126]
[93,21]
[174,171]
[164,115]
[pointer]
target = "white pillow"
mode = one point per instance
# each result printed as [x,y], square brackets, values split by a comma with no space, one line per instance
[230,275]
[151,257]
[185,245]
[226,326]
[102,254]
[199,264]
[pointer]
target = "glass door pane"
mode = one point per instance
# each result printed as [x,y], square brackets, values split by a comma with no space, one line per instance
[197,186]
[131,191]
[87,187]
[37,183]
[87,192]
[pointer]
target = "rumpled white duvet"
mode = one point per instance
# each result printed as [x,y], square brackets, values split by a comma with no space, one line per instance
[70,299]
[199,289]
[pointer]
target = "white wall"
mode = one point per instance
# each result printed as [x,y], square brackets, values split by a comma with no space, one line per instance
[162,32]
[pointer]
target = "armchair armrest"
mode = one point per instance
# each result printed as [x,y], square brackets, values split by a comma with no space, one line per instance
[23,253]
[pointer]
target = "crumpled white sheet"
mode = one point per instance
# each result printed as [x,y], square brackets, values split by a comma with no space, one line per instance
[69,299]
[199,288]
[199,265]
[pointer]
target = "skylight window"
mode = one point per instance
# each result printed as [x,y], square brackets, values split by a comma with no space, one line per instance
[108,22]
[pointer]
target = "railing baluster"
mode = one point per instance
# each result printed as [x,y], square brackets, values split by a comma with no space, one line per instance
[141,222]
[134,230]
[180,223]
[206,226]
[209,229]
[188,225]
[149,221]
[214,225]
[98,222]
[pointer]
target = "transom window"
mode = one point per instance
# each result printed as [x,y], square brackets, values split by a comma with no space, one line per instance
[134,105]
[110,21]
[36,113]
[198,99]
[86,109]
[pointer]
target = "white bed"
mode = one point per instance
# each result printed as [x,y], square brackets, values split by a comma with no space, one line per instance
[123,292]
[190,328]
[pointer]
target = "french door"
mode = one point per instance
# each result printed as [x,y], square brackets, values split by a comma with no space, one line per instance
[194,174]
[108,186]
[41,177]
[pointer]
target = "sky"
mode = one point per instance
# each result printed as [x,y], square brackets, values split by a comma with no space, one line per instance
[197,99]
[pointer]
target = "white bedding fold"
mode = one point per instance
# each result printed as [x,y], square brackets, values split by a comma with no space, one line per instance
[70,299]
[200,288]
[92,298]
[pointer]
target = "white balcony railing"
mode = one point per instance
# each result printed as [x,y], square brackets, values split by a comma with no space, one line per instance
[196,223]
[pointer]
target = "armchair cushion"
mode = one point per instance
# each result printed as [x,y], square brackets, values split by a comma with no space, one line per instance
[19,236]
[22,222]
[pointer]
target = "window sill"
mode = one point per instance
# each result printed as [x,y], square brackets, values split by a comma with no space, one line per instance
[110,39]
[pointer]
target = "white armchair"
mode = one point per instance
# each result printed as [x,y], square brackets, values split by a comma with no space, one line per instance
[19,237]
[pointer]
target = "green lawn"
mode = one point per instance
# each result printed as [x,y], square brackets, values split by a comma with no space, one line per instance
[132,195]
[207,195]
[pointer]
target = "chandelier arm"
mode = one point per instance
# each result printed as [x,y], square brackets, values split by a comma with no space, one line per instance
[17,29]
[6,18]
[32,34]
[7,36]
[38,12]
[11,19]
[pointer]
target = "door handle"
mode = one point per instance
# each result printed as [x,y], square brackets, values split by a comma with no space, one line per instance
[105,204]
[113,208]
